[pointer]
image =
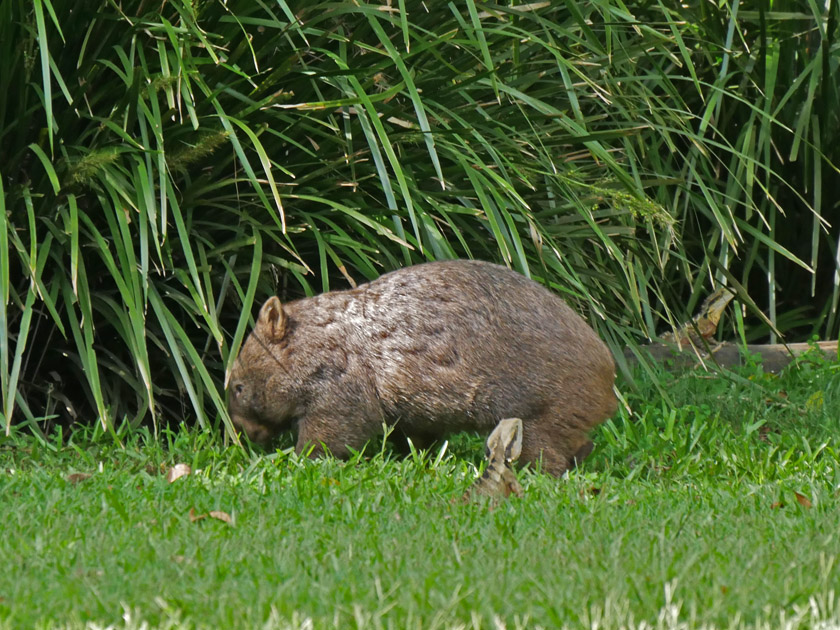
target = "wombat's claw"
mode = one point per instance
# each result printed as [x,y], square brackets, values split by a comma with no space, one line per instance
[503,447]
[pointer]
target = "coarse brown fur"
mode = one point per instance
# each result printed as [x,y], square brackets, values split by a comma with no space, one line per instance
[431,349]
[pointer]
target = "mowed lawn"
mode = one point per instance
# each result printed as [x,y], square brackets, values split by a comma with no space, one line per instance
[716,507]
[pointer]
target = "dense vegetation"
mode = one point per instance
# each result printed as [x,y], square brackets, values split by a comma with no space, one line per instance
[166,165]
[710,512]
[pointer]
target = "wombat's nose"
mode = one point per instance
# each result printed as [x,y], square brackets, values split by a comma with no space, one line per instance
[256,434]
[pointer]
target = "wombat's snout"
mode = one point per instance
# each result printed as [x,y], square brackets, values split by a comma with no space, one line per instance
[253,430]
[259,435]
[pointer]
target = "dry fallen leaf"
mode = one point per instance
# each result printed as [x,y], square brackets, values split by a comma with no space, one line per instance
[177,471]
[803,500]
[77,477]
[777,505]
[222,516]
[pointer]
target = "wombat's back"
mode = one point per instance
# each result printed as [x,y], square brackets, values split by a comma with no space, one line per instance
[481,341]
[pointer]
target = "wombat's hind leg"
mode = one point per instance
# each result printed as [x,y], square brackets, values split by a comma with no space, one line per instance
[551,453]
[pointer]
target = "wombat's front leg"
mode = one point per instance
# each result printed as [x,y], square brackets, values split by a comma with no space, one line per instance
[581,454]
[336,435]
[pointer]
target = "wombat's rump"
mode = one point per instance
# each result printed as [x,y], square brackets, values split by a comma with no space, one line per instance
[432,349]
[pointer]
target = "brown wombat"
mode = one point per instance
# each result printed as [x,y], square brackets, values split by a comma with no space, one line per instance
[430,349]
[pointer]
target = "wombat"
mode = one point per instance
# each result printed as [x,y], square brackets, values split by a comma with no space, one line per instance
[430,349]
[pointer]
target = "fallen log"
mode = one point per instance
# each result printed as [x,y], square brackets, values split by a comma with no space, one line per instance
[774,356]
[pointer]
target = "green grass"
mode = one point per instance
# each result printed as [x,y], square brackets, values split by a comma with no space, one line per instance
[718,509]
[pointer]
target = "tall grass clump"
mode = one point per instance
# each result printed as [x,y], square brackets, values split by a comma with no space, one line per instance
[165,166]
[758,204]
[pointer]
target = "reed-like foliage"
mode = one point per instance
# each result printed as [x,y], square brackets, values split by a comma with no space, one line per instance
[166,166]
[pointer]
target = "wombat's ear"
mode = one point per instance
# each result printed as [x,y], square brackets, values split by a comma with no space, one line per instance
[272,320]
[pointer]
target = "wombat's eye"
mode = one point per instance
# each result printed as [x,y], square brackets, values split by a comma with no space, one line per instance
[237,389]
